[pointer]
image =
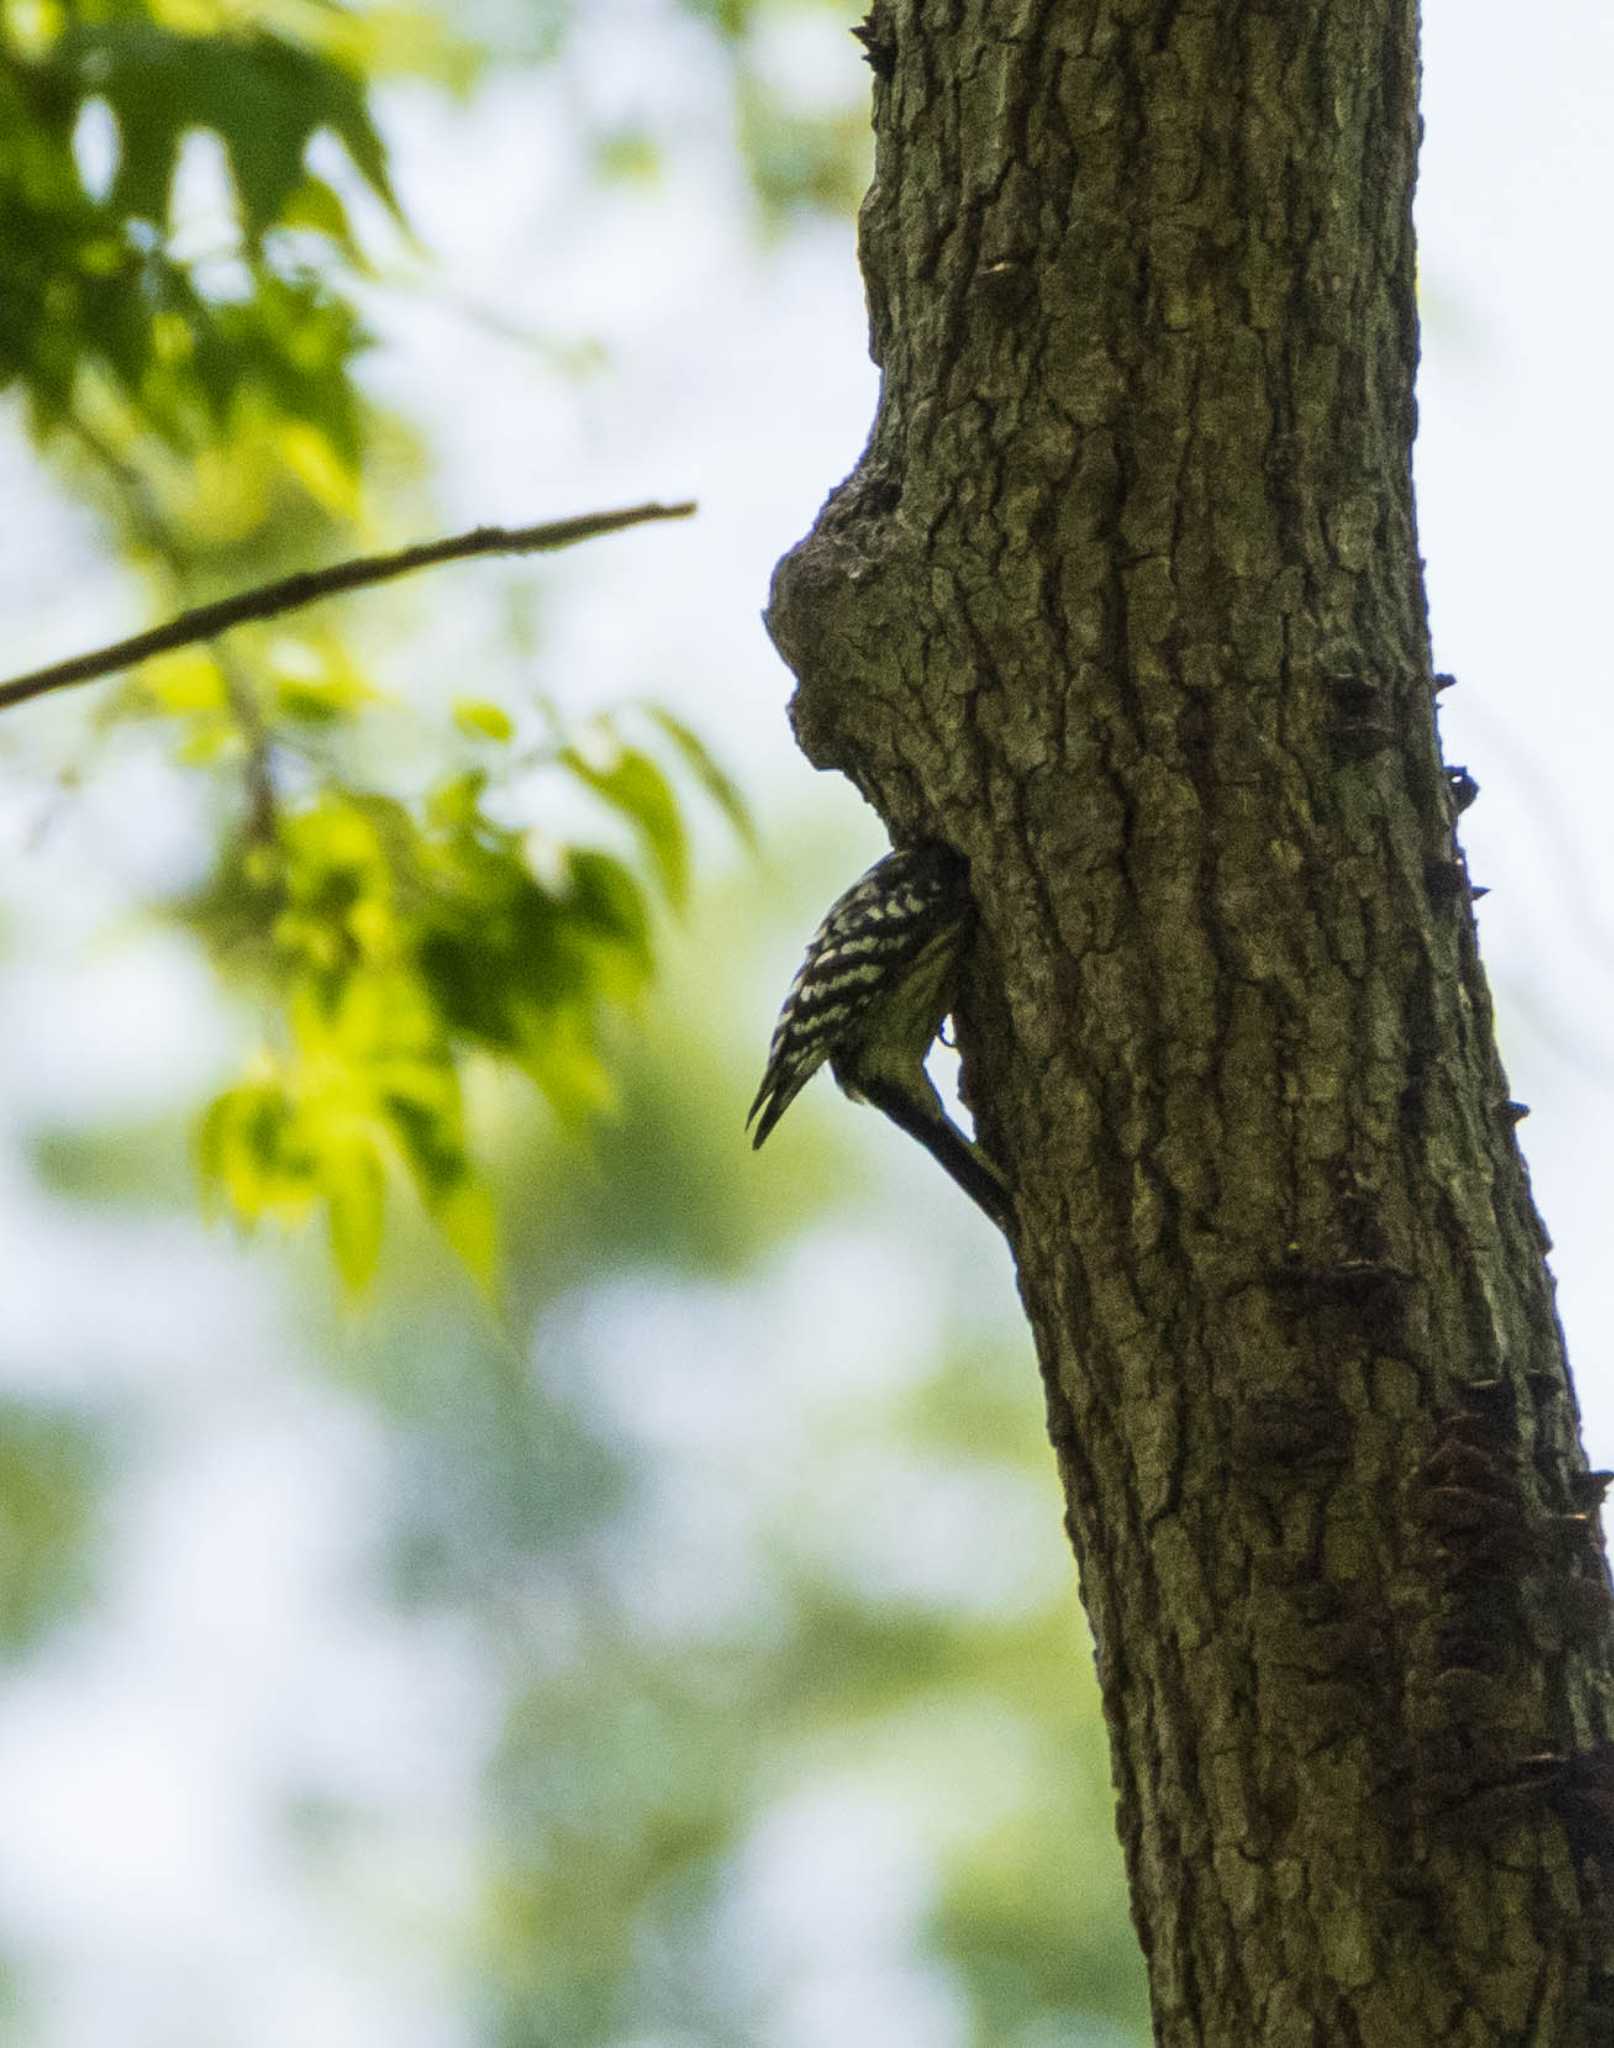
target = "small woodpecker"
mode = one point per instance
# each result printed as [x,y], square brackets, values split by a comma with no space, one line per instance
[879,979]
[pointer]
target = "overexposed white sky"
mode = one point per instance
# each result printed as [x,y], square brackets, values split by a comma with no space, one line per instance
[1516,438]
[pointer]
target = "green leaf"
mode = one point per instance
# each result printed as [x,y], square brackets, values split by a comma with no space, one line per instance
[315,681]
[634,786]
[629,156]
[456,804]
[610,906]
[263,96]
[355,1189]
[429,1135]
[479,719]
[316,208]
[188,682]
[301,702]
[561,1053]
[252,1150]
[713,779]
[466,1217]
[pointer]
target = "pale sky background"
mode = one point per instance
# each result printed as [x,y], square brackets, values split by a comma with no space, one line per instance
[237,1645]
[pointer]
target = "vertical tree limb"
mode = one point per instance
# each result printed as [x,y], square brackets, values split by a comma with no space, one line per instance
[1124,600]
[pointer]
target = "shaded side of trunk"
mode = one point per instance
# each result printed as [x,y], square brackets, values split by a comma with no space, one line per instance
[1124,601]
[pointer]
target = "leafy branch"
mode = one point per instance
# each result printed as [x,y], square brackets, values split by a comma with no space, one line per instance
[290,593]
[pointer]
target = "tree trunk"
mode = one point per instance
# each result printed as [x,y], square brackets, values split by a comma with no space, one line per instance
[1124,601]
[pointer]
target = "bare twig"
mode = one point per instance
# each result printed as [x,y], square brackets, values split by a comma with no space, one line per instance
[268,600]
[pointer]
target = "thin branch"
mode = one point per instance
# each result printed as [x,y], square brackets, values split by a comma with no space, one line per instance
[268,600]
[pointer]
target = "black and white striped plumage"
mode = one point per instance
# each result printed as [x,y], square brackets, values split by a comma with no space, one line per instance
[875,988]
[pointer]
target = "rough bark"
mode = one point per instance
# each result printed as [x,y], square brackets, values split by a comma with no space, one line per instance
[1124,601]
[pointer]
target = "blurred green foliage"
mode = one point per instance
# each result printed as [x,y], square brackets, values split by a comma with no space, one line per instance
[103,309]
[689,1726]
[392,937]
[398,941]
[51,1473]
[802,128]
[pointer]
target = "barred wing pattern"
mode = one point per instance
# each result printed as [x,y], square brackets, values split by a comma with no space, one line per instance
[879,944]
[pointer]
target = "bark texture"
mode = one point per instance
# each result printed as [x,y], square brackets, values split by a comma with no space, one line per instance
[1124,601]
